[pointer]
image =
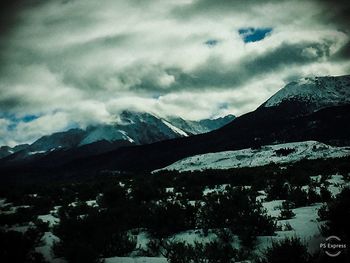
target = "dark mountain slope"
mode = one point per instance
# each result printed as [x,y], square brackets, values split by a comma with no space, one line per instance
[263,126]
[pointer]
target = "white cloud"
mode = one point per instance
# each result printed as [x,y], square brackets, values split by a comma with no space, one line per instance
[84,61]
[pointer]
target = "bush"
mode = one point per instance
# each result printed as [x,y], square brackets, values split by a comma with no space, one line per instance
[167,218]
[287,227]
[278,190]
[326,195]
[237,210]
[87,238]
[178,252]
[17,247]
[289,250]
[212,252]
[323,213]
[286,211]
[338,216]
[313,197]
[284,151]
[298,196]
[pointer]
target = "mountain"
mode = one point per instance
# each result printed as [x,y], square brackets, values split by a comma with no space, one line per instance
[7,150]
[202,126]
[133,127]
[145,128]
[312,94]
[291,118]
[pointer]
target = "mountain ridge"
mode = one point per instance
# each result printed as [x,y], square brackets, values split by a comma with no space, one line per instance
[288,121]
[134,127]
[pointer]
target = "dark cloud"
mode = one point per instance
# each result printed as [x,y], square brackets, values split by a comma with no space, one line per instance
[215,8]
[329,12]
[343,54]
[335,12]
[9,10]
[216,74]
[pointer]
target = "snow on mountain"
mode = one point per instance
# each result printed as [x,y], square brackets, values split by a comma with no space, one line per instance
[202,126]
[175,129]
[6,150]
[66,139]
[316,92]
[134,127]
[280,153]
[144,128]
[104,132]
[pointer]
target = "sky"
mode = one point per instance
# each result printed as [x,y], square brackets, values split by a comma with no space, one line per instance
[75,63]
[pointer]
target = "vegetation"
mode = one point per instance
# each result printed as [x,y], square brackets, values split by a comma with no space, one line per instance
[289,250]
[17,247]
[286,211]
[127,204]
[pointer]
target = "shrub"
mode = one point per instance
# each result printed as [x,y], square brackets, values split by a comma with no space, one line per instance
[323,213]
[298,196]
[289,250]
[212,252]
[326,195]
[287,227]
[96,234]
[286,211]
[17,247]
[284,151]
[338,216]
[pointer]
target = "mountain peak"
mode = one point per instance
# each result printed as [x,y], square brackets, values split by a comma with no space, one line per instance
[134,128]
[315,92]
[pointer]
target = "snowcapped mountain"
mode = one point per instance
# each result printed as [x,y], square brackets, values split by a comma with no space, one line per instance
[279,153]
[314,93]
[133,127]
[145,128]
[315,109]
[202,126]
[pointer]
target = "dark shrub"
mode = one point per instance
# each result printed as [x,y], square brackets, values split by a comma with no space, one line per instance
[289,250]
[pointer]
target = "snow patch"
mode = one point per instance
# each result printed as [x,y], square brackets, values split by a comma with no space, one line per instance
[49,219]
[175,129]
[258,157]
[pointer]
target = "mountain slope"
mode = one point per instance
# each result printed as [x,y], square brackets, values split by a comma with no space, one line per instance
[202,126]
[279,153]
[330,125]
[313,94]
[133,128]
[281,123]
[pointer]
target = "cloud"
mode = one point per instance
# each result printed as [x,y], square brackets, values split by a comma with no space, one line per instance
[81,62]
[215,73]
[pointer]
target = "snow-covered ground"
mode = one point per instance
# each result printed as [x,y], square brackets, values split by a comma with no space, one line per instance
[304,224]
[258,157]
[45,249]
[52,220]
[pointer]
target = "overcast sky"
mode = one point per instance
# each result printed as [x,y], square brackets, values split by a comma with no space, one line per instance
[73,63]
